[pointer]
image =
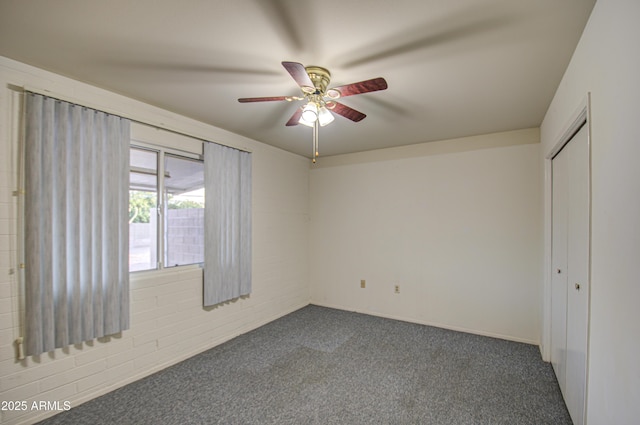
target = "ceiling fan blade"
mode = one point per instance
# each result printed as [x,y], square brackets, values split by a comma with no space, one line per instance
[346,111]
[263,99]
[295,118]
[300,75]
[367,86]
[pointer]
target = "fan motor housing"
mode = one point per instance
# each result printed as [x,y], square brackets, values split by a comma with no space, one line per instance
[320,77]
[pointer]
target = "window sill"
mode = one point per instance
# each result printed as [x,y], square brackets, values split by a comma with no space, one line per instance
[145,274]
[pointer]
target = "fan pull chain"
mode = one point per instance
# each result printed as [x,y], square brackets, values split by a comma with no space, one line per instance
[313,144]
[315,139]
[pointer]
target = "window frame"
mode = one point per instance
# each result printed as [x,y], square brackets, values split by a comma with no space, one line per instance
[161,150]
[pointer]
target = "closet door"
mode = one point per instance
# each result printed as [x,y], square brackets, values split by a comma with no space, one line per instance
[570,283]
[559,263]
[578,276]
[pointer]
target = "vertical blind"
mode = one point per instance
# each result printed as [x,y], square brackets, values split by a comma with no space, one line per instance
[76,224]
[227,266]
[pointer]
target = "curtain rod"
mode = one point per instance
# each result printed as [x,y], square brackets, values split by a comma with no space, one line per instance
[48,93]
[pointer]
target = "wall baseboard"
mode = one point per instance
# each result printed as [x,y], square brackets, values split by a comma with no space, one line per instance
[427,323]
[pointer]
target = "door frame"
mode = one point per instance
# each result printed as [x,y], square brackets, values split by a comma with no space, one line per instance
[582,116]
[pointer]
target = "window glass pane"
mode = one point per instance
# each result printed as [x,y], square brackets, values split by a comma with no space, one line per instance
[143,217]
[184,200]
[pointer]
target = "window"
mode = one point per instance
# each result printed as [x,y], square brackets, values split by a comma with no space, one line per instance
[143,207]
[184,214]
[171,224]
[168,216]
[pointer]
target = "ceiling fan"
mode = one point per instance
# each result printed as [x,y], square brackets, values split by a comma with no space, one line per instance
[320,101]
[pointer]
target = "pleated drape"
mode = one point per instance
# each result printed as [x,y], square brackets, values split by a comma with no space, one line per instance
[227,266]
[76,224]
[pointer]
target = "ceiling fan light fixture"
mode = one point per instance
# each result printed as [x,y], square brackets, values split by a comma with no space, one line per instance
[325,117]
[304,122]
[309,113]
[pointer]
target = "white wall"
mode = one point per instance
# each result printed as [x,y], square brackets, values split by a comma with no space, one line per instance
[607,64]
[168,322]
[457,224]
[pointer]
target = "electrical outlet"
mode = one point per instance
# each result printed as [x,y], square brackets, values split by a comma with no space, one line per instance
[363,283]
[397,289]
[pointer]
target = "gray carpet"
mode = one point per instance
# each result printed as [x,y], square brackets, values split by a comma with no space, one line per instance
[325,366]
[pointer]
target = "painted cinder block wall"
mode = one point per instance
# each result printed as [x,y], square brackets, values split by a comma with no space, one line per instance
[184,235]
[168,322]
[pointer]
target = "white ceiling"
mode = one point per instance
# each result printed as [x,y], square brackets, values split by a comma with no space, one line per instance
[454,67]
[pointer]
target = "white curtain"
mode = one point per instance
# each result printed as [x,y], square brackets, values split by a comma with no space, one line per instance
[227,265]
[76,224]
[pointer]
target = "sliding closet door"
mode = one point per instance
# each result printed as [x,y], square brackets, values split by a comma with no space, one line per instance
[570,283]
[578,276]
[559,273]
